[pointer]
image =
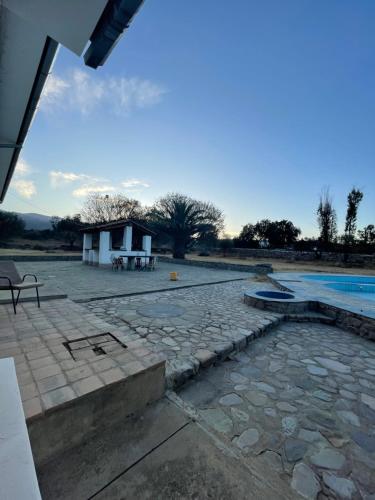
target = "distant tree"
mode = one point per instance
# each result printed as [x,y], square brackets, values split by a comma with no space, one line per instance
[354,199]
[100,209]
[367,235]
[226,243]
[279,233]
[247,237]
[185,220]
[10,225]
[327,219]
[68,228]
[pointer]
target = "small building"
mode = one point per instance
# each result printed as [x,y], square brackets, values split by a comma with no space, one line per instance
[124,238]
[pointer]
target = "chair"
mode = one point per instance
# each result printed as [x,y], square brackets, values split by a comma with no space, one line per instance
[151,263]
[117,262]
[139,264]
[11,280]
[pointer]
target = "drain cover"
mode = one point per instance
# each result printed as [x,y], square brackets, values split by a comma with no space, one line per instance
[97,345]
[161,310]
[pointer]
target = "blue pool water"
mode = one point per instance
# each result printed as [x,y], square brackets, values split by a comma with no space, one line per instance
[359,286]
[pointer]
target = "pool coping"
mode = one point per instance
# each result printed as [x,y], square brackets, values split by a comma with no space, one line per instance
[358,319]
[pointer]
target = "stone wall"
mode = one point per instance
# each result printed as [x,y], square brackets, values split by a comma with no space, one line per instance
[258,269]
[348,320]
[37,258]
[259,253]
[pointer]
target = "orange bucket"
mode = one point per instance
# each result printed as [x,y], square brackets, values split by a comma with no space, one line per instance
[173,276]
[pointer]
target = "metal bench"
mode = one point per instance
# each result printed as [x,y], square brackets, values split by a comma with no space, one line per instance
[11,280]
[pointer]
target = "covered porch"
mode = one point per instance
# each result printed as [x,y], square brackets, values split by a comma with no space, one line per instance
[103,243]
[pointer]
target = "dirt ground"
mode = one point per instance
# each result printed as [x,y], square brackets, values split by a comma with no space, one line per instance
[19,251]
[281,265]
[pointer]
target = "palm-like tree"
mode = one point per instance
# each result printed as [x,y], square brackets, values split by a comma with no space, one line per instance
[185,220]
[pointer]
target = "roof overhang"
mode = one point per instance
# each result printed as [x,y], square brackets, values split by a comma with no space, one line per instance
[29,36]
[119,224]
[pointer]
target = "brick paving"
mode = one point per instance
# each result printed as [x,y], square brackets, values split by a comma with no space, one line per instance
[47,374]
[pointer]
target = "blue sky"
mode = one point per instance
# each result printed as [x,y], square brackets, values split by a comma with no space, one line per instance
[253,105]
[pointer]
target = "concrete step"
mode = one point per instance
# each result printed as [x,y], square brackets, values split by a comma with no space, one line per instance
[310,316]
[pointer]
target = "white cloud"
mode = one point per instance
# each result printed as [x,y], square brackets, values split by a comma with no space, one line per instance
[54,91]
[22,168]
[58,178]
[24,188]
[85,190]
[134,184]
[84,92]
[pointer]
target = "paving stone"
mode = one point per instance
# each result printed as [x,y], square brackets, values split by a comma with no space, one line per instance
[309,436]
[344,488]
[256,398]
[349,417]
[368,400]
[283,406]
[218,420]
[275,366]
[317,370]
[294,449]
[364,440]
[231,399]
[239,415]
[247,439]
[289,425]
[237,378]
[305,482]
[331,364]
[262,386]
[328,459]
[270,412]
[324,396]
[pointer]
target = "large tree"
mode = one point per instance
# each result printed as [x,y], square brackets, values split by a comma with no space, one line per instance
[279,233]
[67,228]
[354,199]
[10,225]
[367,235]
[106,208]
[327,219]
[185,220]
[247,236]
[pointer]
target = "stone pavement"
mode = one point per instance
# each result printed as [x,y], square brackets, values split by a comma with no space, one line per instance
[192,327]
[302,402]
[81,282]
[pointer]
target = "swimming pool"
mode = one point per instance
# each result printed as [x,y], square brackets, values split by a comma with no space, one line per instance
[358,286]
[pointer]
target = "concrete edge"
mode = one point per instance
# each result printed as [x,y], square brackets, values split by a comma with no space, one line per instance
[131,294]
[42,298]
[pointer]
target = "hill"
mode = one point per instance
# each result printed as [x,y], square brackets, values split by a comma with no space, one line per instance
[35,221]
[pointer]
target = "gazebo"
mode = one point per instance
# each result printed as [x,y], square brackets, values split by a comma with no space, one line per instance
[124,238]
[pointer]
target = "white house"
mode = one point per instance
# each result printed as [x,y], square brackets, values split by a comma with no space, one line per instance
[124,238]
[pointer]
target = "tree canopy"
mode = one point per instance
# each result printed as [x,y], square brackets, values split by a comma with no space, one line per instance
[106,208]
[67,228]
[327,219]
[354,199]
[185,220]
[280,233]
[10,225]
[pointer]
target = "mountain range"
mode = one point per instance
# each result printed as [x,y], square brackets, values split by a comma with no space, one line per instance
[35,221]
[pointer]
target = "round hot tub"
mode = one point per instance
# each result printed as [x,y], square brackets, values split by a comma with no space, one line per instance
[275,295]
[276,301]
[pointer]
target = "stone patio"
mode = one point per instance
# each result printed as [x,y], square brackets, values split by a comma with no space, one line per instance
[299,401]
[192,328]
[302,401]
[82,283]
